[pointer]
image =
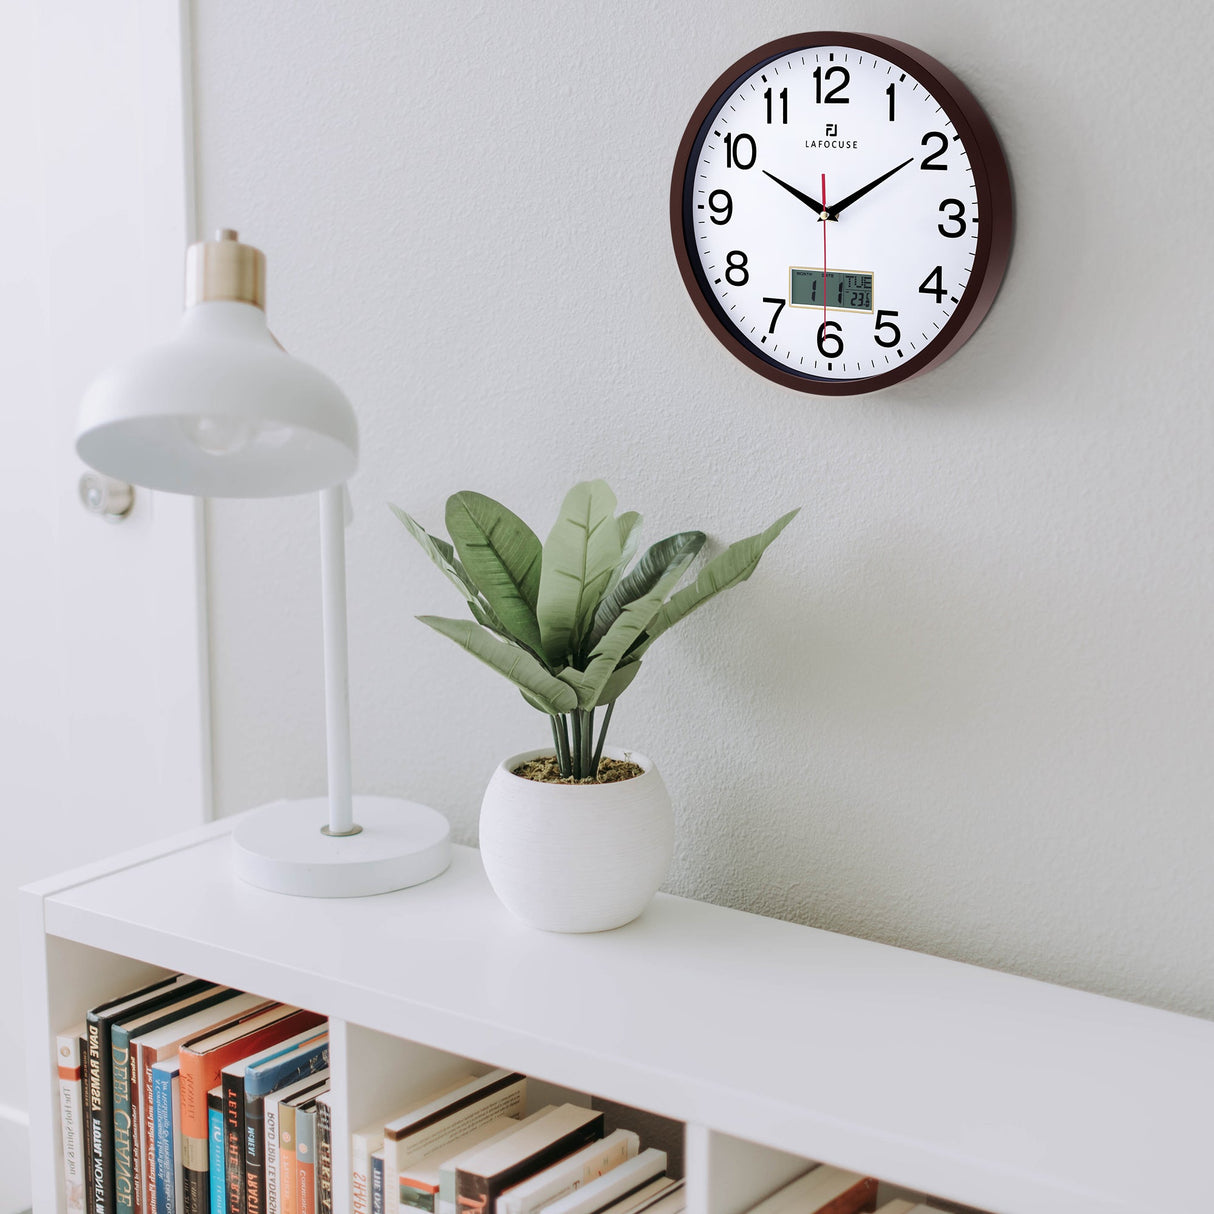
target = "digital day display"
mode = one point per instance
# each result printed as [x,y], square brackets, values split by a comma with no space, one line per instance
[847,289]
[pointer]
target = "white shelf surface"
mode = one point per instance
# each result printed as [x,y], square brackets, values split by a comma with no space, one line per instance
[1000,1092]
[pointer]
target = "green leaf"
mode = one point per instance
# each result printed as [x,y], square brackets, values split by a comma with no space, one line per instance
[441,553]
[661,566]
[580,555]
[630,539]
[619,682]
[502,557]
[730,567]
[525,672]
[631,624]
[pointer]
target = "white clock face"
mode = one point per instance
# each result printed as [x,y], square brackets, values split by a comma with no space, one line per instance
[831,211]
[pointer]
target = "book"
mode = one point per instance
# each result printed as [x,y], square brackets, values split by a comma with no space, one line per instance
[215,1157]
[619,1182]
[101,1084]
[324,1155]
[449,1167]
[377,1181]
[490,1170]
[572,1173]
[153,1044]
[90,1188]
[297,1057]
[305,1157]
[420,1182]
[363,1144]
[640,1200]
[275,1192]
[128,1088]
[288,1107]
[202,1062]
[448,1116]
[822,1190]
[166,1121]
[71,1114]
[900,1206]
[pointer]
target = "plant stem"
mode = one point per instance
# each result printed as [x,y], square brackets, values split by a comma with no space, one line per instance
[575,720]
[592,769]
[598,752]
[562,760]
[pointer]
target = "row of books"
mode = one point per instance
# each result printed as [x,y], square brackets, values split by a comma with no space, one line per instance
[471,1147]
[164,1094]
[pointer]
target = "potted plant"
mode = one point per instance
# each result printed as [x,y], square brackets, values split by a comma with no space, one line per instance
[575,837]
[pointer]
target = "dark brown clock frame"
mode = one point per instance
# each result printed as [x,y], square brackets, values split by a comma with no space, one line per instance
[990,177]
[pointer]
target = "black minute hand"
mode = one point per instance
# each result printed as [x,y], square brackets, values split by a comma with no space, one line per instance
[872,185]
[805,198]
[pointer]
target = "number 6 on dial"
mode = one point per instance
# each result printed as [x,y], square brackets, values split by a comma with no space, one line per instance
[856,183]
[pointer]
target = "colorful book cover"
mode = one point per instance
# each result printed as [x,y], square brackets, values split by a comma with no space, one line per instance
[301,1056]
[101,1081]
[324,1155]
[215,1160]
[163,1042]
[202,1063]
[127,1088]
[305,1158]
[71,1115]
[271,1111]
[165,1078]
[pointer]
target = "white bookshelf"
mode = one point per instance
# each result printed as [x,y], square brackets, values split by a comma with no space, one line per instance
[772,1043]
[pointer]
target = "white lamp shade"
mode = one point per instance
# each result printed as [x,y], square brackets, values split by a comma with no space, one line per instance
[219,410]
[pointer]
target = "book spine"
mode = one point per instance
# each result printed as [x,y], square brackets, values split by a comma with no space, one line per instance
[360,1172]
[101,1115]
[195,1138]
[287,1194]
[377,1182]
[86,1103]
[324,1156]
[125,1137]
[305,1161]
[233,1136]
[216,1188]
[162,1120]
[178,1193]
[254,1155]
[144,1058]
[71,1113]
[271,1164]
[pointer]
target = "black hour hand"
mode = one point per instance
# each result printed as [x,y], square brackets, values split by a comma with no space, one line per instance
[813,204]
[843,204]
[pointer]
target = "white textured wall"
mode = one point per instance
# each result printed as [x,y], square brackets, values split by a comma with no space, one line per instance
[965,704]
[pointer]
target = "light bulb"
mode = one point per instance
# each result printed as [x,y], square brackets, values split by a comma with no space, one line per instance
[219,435]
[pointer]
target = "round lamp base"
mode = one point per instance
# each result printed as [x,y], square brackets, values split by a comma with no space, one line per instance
[282,847]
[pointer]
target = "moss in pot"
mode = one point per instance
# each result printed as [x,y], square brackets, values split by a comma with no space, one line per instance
[569,622]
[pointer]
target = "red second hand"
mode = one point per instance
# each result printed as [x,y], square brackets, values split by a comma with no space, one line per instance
[824,220]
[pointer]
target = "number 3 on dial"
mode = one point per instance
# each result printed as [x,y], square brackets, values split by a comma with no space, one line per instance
[841,212]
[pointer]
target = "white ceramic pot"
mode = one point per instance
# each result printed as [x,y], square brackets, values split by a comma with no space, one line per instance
[576,857]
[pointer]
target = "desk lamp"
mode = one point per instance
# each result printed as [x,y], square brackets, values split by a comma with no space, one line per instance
[221,410]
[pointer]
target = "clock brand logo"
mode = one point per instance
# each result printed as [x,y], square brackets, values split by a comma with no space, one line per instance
[832,140]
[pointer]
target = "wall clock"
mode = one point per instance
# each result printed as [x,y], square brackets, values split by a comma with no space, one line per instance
[841,212]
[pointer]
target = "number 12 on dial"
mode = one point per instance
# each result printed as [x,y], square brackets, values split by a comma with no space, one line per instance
[820,153]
